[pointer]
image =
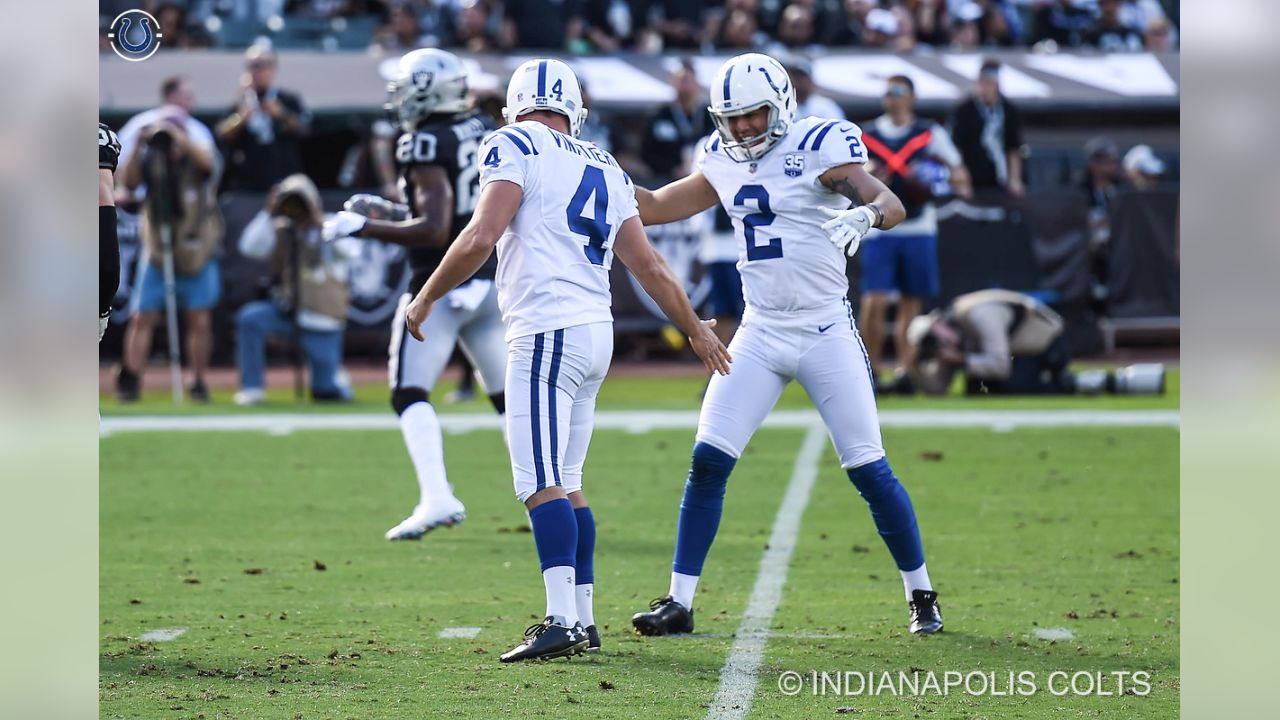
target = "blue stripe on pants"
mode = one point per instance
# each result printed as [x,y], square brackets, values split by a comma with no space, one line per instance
[557,346]
[533,412]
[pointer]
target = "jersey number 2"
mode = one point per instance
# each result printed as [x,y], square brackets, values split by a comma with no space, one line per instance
[596,229]
[764,216]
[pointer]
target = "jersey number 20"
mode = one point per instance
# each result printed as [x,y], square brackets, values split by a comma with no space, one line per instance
[596,228]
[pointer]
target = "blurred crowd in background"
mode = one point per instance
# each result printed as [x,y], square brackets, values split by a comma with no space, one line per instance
[664,26]
[981,165]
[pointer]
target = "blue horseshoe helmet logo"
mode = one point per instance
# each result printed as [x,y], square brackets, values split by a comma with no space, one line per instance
[135,35]
[148,35]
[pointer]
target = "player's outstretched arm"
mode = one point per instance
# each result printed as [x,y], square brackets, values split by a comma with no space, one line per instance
[655,276]
[499,201]
[433,196]
[875,206]
[677,200]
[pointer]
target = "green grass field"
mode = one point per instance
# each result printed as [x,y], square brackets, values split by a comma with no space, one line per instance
[268,551]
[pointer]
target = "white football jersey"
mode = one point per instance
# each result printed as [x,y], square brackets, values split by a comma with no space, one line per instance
[554,258]
[787,262]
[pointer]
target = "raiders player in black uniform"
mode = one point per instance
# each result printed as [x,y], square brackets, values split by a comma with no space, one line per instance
[436,158]
[108,245]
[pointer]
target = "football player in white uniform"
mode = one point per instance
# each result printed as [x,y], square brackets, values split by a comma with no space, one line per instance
[436,157]
[557,209]
[787,185]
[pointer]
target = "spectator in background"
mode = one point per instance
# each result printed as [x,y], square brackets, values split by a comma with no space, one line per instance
[1109,33]
[178,34]
[1142,168]
[545,24]
[403,33]
[263,134]
[740,33]
[881,29]
[1062,23]
[309,293]
[1101,178]
[808,101]
[965,35]
[612,25]
[593,129]
[1159,36]
[676,127]
[679,24]
[917,160]
[477,27]
[168,136]
[795,29]
[719,258]
[828,19]
[854,26]
[930,18]
[987,130]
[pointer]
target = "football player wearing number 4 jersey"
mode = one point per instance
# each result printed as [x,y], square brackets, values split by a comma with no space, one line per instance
[786,184]
[557,209]
[436,156]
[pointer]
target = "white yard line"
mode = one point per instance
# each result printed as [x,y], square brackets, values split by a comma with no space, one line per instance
[641,421]
[741,669]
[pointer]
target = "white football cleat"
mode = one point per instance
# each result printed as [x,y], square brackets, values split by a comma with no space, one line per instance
[252,396]
[425,519]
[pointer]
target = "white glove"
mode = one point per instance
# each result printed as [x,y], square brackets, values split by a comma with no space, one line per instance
[847,227]
[343,224]
[376,208]
[102,325]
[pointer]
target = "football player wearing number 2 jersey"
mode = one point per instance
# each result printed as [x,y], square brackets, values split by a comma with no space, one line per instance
[557,209]
[787,185]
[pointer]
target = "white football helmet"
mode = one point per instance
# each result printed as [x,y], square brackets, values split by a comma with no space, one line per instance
[545,85]
[428,81]
[745,83]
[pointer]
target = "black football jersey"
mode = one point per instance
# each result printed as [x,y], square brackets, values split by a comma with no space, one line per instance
[451,143]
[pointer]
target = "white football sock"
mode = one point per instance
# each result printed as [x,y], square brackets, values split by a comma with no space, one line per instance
[421,430]
[683,587]
[561,603]
[917,579]
[586,613]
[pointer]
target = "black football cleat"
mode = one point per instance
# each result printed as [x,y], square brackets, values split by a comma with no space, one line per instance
[593,639]
[665,617]
[926,616]
[547,641]
[128,385]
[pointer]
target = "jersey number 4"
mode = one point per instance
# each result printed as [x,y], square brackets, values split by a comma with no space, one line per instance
[750,223]
[596,228]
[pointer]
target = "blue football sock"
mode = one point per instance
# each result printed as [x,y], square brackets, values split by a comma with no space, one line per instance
[586,557]
[700,510]
[891,509]
[555,532]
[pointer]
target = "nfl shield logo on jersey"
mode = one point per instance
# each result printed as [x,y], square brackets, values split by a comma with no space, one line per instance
[793,164]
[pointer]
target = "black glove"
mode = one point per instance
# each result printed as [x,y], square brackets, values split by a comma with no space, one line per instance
[108,148]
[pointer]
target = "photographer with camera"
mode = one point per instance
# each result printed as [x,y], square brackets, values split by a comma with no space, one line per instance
[1007,343]
[310,290]
[170,164]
